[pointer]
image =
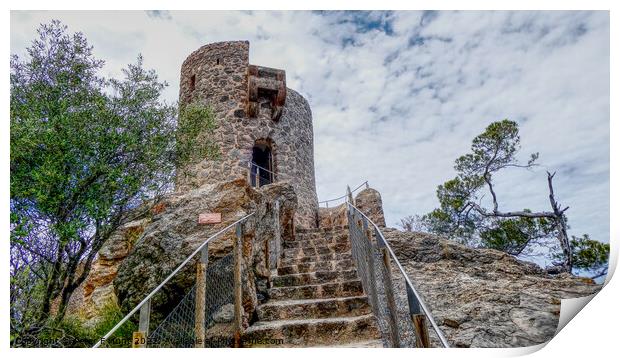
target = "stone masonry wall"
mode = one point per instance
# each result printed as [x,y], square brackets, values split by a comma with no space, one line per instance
[218,74]
[367,201]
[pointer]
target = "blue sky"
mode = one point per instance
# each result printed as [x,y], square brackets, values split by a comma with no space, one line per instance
[397,96]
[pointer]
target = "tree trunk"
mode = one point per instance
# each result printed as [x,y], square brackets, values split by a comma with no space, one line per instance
[557,215]
[51,286]
[567,265]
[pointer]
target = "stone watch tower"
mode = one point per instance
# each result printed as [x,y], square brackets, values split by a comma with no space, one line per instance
[263,129]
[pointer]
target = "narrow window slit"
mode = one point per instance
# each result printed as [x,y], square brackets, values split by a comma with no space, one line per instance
[192,83]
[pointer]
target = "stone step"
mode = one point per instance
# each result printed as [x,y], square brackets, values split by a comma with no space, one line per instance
[319,236]
[308,332]
[319,230]
[313,278]
[288,261]
[315,266]
[316,242]
[314,251]
[324,290]
[314,308]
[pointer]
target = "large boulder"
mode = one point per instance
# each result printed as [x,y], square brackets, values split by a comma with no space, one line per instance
[174,233]
[98,289]
[484,297]
[96,294]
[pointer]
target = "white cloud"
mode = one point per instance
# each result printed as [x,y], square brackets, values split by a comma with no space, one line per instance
[408,92]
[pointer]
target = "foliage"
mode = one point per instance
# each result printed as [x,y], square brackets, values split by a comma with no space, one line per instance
[26,292]
[412,223]
[86,152]
[491,151]
[590,254]
[72,332]
[196,123]
[512,235]
[109,316]
[449,218]
[462,217]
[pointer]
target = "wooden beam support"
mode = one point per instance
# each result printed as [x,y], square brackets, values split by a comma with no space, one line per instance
[238,291]
[419,320]
[389,293]
[139,338]
[421,331]
[201,293]
[374,301]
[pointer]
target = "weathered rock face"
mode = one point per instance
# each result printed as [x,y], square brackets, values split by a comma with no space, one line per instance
[217,75]
[174,233]
[484,298]
[98,289]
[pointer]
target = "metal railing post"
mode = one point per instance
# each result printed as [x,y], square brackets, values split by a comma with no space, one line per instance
[389,291]
[140,337]
[419,320]
[147,299]
[257,177]
[201,293]
[419,312]
[371,264]
[238,317]
[277,236]
[349,195]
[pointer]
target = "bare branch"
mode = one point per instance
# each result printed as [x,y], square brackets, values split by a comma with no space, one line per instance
[600,274]
[509,214]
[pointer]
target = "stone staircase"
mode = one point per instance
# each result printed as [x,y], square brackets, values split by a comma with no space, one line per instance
[317,298]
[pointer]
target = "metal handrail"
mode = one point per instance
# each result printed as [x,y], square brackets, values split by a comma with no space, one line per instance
[150,295]
[258,166]
[423,306]
[345,195]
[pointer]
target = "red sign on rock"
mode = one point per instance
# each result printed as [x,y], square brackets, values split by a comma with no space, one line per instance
[209,218]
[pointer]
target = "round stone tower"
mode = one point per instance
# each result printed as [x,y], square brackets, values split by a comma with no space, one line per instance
[263,129]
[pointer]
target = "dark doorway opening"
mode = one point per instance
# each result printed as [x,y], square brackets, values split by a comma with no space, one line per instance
[262,165]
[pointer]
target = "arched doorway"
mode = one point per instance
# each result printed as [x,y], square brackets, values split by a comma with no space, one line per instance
[262,168]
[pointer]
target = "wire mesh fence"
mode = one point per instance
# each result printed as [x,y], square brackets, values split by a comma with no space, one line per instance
[389,294]
[219,294]
[178,328]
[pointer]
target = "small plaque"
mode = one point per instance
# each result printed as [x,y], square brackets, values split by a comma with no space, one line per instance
[138,340]
[209,218]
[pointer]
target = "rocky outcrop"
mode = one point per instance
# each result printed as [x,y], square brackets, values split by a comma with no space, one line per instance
[483,297]
[98,290]
[95,295]
[174,233]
